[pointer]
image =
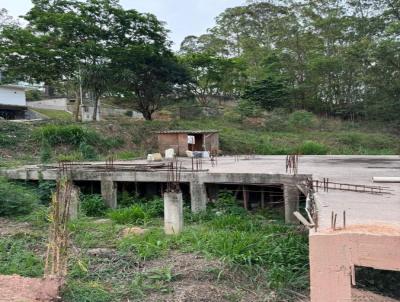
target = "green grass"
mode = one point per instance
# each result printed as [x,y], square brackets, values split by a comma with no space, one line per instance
[17,255]
[55,114]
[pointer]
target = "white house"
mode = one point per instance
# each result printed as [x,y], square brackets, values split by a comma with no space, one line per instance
[12,102]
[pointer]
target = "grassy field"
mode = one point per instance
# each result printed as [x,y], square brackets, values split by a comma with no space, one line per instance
[55,114]
[224,253]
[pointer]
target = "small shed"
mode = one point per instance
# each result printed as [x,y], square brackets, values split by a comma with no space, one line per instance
[188,140]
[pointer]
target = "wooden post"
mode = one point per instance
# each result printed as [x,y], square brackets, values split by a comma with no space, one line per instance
[262,199]
[245,198]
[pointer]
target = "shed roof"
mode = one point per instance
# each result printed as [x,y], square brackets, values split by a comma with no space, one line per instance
[187,131]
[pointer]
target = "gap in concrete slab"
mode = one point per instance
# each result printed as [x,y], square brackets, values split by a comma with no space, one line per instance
[89,187]
[256,196]
[150,189]
[384,283]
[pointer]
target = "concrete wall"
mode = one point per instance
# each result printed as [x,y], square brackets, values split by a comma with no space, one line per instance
[334,254]
[12,96]
[53,104]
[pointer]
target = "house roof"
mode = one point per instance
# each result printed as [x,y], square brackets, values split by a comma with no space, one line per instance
[187,131]
[12,107]
[9,86]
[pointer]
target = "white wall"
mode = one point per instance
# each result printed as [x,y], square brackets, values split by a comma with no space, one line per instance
[54,104]
[12,96]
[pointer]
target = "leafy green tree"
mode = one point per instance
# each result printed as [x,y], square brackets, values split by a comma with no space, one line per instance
[269,93]
[213,76]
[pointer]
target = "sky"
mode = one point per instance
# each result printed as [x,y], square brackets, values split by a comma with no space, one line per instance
[183,17]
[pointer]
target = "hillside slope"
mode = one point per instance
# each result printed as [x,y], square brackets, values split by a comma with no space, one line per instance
[125,138]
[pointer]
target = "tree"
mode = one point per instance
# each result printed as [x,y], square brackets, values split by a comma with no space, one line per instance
[70,40]
[149,76]
[269,93]
[213,76]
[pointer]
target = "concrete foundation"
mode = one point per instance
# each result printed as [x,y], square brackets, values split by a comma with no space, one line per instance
[291,196]
[198,194]
[109,191]
[173,213]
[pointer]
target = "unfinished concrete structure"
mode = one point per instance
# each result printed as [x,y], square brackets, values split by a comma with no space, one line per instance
[179,140]
[370,238]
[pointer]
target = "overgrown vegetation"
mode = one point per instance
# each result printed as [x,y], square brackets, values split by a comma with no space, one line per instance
[249,244]
[15,199]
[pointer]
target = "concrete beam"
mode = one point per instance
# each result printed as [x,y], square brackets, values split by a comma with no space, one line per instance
[198,195]
[109,191]
[333,256]
[173,213]
[291,195]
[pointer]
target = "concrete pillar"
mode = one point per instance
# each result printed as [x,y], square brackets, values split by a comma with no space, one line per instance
[291,196]
[198,196]
[173,213]
[109,191]
[74,201]
[330,271]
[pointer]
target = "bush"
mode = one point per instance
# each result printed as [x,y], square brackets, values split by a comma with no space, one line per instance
[312,148]
[246,108]
[16,199]
[302,119]
[87,151]
[45,191]
[131,215]
[227,203]
[276,122]
[45,152]
[64,134]
[93,205]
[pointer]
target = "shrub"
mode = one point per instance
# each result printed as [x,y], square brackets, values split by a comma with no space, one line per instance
[45,152]
[126,155]
[87,151]
[16,199]
[302,119]
[312,148]
[247,108]
[276,122]
[62,134]
[45,191]
[93,205]
[154,208]
[227,203]
[131,215]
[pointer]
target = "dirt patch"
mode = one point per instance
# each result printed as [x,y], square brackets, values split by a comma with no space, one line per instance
[20,289]
[197,279]
[9,227]
[365,296]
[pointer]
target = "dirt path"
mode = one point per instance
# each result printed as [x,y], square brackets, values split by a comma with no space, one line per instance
[20,289]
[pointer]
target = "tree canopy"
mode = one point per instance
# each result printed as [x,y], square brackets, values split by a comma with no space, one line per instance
[338,58]
[86,41]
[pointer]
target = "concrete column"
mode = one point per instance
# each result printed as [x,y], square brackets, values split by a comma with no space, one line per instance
[198,195]
[330,271]
[291,196]
[74,201]
[173,213]
[109,191]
